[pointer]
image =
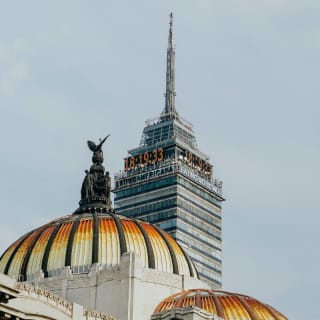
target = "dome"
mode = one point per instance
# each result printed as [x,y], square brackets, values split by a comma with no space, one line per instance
[226,305]
[79,240]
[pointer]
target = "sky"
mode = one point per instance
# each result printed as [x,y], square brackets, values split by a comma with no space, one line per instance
[247,77]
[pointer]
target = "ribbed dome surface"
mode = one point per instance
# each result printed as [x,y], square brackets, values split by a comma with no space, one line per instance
[228,306]
[81,240]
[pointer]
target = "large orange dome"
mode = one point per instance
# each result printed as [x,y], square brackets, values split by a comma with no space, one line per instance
[226,305]
[80,240]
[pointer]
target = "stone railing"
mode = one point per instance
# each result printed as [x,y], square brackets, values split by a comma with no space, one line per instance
[56,301]
[45,296]
[90,315]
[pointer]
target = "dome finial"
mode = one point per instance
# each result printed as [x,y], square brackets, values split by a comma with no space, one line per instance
[96,185]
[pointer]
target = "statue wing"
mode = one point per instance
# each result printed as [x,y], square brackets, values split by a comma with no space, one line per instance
[92,146]
[102,141]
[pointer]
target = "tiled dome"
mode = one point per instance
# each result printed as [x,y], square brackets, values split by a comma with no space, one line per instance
[79,240]
[226,305]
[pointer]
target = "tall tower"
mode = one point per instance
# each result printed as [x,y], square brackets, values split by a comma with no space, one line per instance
[168,181]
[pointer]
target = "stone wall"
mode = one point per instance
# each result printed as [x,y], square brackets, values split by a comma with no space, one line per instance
[25,301]
[127,292]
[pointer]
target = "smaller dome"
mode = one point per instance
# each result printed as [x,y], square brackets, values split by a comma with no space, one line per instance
[226,305]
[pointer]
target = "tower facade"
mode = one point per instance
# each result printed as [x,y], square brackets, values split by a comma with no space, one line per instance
[169,182]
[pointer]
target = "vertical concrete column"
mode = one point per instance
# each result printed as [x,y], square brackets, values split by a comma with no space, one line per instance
[130,273]
[77,311]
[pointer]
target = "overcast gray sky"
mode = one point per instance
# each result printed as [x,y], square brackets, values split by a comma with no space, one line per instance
[247,77]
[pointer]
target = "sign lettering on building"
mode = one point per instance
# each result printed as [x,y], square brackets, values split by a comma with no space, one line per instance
[142,176]
[142,159]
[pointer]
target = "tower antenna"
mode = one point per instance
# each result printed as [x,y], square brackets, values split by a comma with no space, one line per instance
[170,109]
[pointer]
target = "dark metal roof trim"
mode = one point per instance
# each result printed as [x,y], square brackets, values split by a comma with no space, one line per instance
[70,241]
[44,263]
[151,260]
[248,308]
[189,262]
[122,239]
[95,239]
[172,254]
[23,270]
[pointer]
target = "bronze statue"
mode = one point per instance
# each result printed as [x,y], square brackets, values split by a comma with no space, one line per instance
[96,186]
[87,186]
[108,184]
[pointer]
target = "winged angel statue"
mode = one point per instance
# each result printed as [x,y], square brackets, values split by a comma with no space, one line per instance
[96,183]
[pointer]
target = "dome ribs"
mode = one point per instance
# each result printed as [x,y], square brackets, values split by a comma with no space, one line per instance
[81,256]
[23,270]
[8,264]
[162,255]
[11,247]
[44,263]
[95,239]
[248,308]
[135,240]
[225,305]
[214,301]
[273,313]
[122,239]
[172,253]
[151,259]
[180,300]
[109,248]
[78,241]
[231,309]
[262,313]
[70,241]
[209,304]
[188,262]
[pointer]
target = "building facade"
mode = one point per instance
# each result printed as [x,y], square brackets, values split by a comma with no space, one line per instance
[169,182]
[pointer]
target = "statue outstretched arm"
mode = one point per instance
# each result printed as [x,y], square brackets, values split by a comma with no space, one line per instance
[93,147]
[102,142]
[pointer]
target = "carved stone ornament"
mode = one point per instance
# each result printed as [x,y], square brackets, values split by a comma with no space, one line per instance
[96,185]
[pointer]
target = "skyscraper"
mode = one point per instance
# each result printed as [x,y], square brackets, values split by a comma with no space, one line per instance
[169,182]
